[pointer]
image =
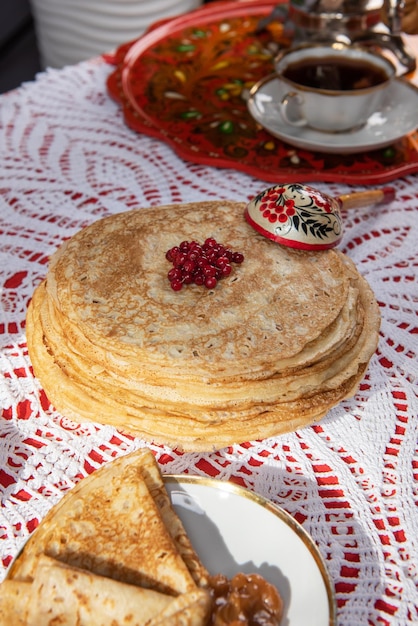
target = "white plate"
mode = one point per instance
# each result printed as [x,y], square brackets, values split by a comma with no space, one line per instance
[234,530]
[397,118]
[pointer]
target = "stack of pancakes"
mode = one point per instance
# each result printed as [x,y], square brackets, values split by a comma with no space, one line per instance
[286,336]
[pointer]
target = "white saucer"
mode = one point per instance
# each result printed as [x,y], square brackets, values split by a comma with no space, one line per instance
[397,118]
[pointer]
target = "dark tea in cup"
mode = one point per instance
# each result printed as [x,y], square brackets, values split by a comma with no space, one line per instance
[335,73]
[332,87]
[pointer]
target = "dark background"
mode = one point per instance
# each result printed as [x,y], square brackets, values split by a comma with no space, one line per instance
[19,58]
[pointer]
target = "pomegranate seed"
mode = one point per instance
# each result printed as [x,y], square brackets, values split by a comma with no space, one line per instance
[200,264]
[211,282]
[176,285]
[211,255]
[187,278]
[195,247]
[174,273]
[189,265]
[237,257]
[171,253]
[179,259]
[222,260]
[199,279]
[209,270]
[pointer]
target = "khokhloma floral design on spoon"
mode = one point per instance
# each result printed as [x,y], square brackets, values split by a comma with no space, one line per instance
[296,215]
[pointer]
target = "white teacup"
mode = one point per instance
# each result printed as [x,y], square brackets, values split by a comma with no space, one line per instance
[332,87]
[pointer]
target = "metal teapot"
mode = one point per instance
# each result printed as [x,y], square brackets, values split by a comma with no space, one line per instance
[375,23]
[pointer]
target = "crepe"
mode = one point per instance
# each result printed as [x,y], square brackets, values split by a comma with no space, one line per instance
[154,481]
[13,596]
[107,553]
[74,597]
[286,336]
[84,530]
[60,594]
[67,595]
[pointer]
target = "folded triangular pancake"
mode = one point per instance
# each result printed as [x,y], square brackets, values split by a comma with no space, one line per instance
[110,525]
[155,484]
[69,596]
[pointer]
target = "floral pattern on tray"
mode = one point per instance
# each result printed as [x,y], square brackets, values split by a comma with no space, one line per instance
[186,81]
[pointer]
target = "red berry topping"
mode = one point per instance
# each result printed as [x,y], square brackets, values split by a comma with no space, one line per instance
[174,273]
[237,257]
[199,279]
[201,264]
[210,282]
[176,284]
[189,266]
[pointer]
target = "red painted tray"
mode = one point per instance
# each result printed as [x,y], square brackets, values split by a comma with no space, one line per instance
[185,82]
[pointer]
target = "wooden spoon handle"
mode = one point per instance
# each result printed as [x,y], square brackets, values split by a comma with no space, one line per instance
[366,198]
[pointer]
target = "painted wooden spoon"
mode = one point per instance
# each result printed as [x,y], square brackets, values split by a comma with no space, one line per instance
[302,217]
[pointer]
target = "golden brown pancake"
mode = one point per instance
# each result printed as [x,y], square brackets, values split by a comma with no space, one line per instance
[65,595]
[61,594]
[286,336]
[13,598]
[84,530]
[155,483]
[107,553]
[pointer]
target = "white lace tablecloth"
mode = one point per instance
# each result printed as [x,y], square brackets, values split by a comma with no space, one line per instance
[67,159]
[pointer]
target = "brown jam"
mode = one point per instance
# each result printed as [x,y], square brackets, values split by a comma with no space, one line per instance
[244,600]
